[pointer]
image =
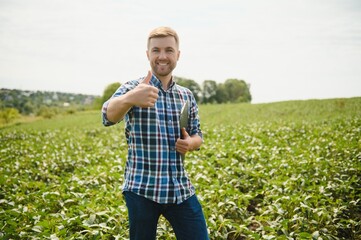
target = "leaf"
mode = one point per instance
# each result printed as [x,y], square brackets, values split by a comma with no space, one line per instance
[305,235]
[38,229]
[315,235]
[53,237]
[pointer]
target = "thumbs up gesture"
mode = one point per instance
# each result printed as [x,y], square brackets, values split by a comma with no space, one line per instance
[147,79]
[144,95]
[184,144]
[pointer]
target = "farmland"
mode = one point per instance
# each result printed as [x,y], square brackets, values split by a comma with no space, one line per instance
[287,170]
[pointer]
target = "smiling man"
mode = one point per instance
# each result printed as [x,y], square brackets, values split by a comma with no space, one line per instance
[156,182]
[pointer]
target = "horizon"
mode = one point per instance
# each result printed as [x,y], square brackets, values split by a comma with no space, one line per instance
[289,100]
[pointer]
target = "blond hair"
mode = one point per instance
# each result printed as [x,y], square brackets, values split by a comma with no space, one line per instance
[163,32]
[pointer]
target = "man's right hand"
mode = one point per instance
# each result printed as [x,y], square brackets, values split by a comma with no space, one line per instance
[144,95]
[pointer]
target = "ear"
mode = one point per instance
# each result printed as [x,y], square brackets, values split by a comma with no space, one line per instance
[178,55]
[147,52]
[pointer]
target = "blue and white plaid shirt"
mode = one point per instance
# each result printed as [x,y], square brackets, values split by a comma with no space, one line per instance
[154,169]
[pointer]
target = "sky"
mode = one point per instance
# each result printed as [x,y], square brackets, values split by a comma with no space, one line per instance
[285,50]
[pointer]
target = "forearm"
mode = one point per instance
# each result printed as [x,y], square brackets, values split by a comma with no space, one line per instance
[118,107]
[196,142]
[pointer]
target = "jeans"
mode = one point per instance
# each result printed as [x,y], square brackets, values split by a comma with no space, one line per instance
[187,218]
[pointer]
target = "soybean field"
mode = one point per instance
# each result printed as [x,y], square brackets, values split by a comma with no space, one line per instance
[284,170]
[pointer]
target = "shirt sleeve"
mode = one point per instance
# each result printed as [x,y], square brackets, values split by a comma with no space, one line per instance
[120,91]
[105,120]
[194,121]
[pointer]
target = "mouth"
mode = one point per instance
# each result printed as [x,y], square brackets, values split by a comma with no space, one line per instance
[162,64]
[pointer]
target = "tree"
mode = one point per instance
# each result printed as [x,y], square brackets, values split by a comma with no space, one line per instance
[221,94]
[192,85]
[209,91]
[246,96]
[109,90]
[9,114]
[237,90]
[28,108]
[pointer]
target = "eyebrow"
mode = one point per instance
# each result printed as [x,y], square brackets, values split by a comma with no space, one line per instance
[167,48]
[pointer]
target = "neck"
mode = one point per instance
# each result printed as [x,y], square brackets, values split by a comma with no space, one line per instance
[166,81]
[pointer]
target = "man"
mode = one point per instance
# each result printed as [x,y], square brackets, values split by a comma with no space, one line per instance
[155,179]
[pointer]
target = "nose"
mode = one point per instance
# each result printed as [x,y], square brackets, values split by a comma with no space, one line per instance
[162,55]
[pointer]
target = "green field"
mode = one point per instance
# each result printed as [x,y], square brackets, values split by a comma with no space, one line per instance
[287,170]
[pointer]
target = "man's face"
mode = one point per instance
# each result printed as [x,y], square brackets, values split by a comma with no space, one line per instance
[163,55]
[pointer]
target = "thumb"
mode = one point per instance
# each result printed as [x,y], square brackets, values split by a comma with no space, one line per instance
[146,80]
[184,134]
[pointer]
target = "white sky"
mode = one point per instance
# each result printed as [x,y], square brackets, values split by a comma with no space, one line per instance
[286,50]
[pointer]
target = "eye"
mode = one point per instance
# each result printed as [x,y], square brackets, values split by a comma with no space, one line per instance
[155,50]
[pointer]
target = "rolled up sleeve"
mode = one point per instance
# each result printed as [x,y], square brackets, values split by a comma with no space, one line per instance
[105,120]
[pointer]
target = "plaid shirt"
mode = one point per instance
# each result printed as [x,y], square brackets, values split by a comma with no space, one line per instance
[154,168]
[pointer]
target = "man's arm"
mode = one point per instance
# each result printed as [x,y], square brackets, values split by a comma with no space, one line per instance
[196,142]
[118,107]
[143,95]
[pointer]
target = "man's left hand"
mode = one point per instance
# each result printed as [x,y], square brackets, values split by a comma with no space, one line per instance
[184,144]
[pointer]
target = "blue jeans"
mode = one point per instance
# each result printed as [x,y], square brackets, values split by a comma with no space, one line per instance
[187,218]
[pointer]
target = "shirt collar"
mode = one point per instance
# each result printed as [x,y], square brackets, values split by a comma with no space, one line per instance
[157,83]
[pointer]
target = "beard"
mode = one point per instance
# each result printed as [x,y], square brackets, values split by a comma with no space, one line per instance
[163,71]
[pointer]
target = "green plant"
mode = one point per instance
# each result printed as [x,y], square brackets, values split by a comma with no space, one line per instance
[271,171]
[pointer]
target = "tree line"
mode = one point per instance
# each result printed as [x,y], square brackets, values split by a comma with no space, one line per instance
[14,103]
[209,92]
[232,90]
